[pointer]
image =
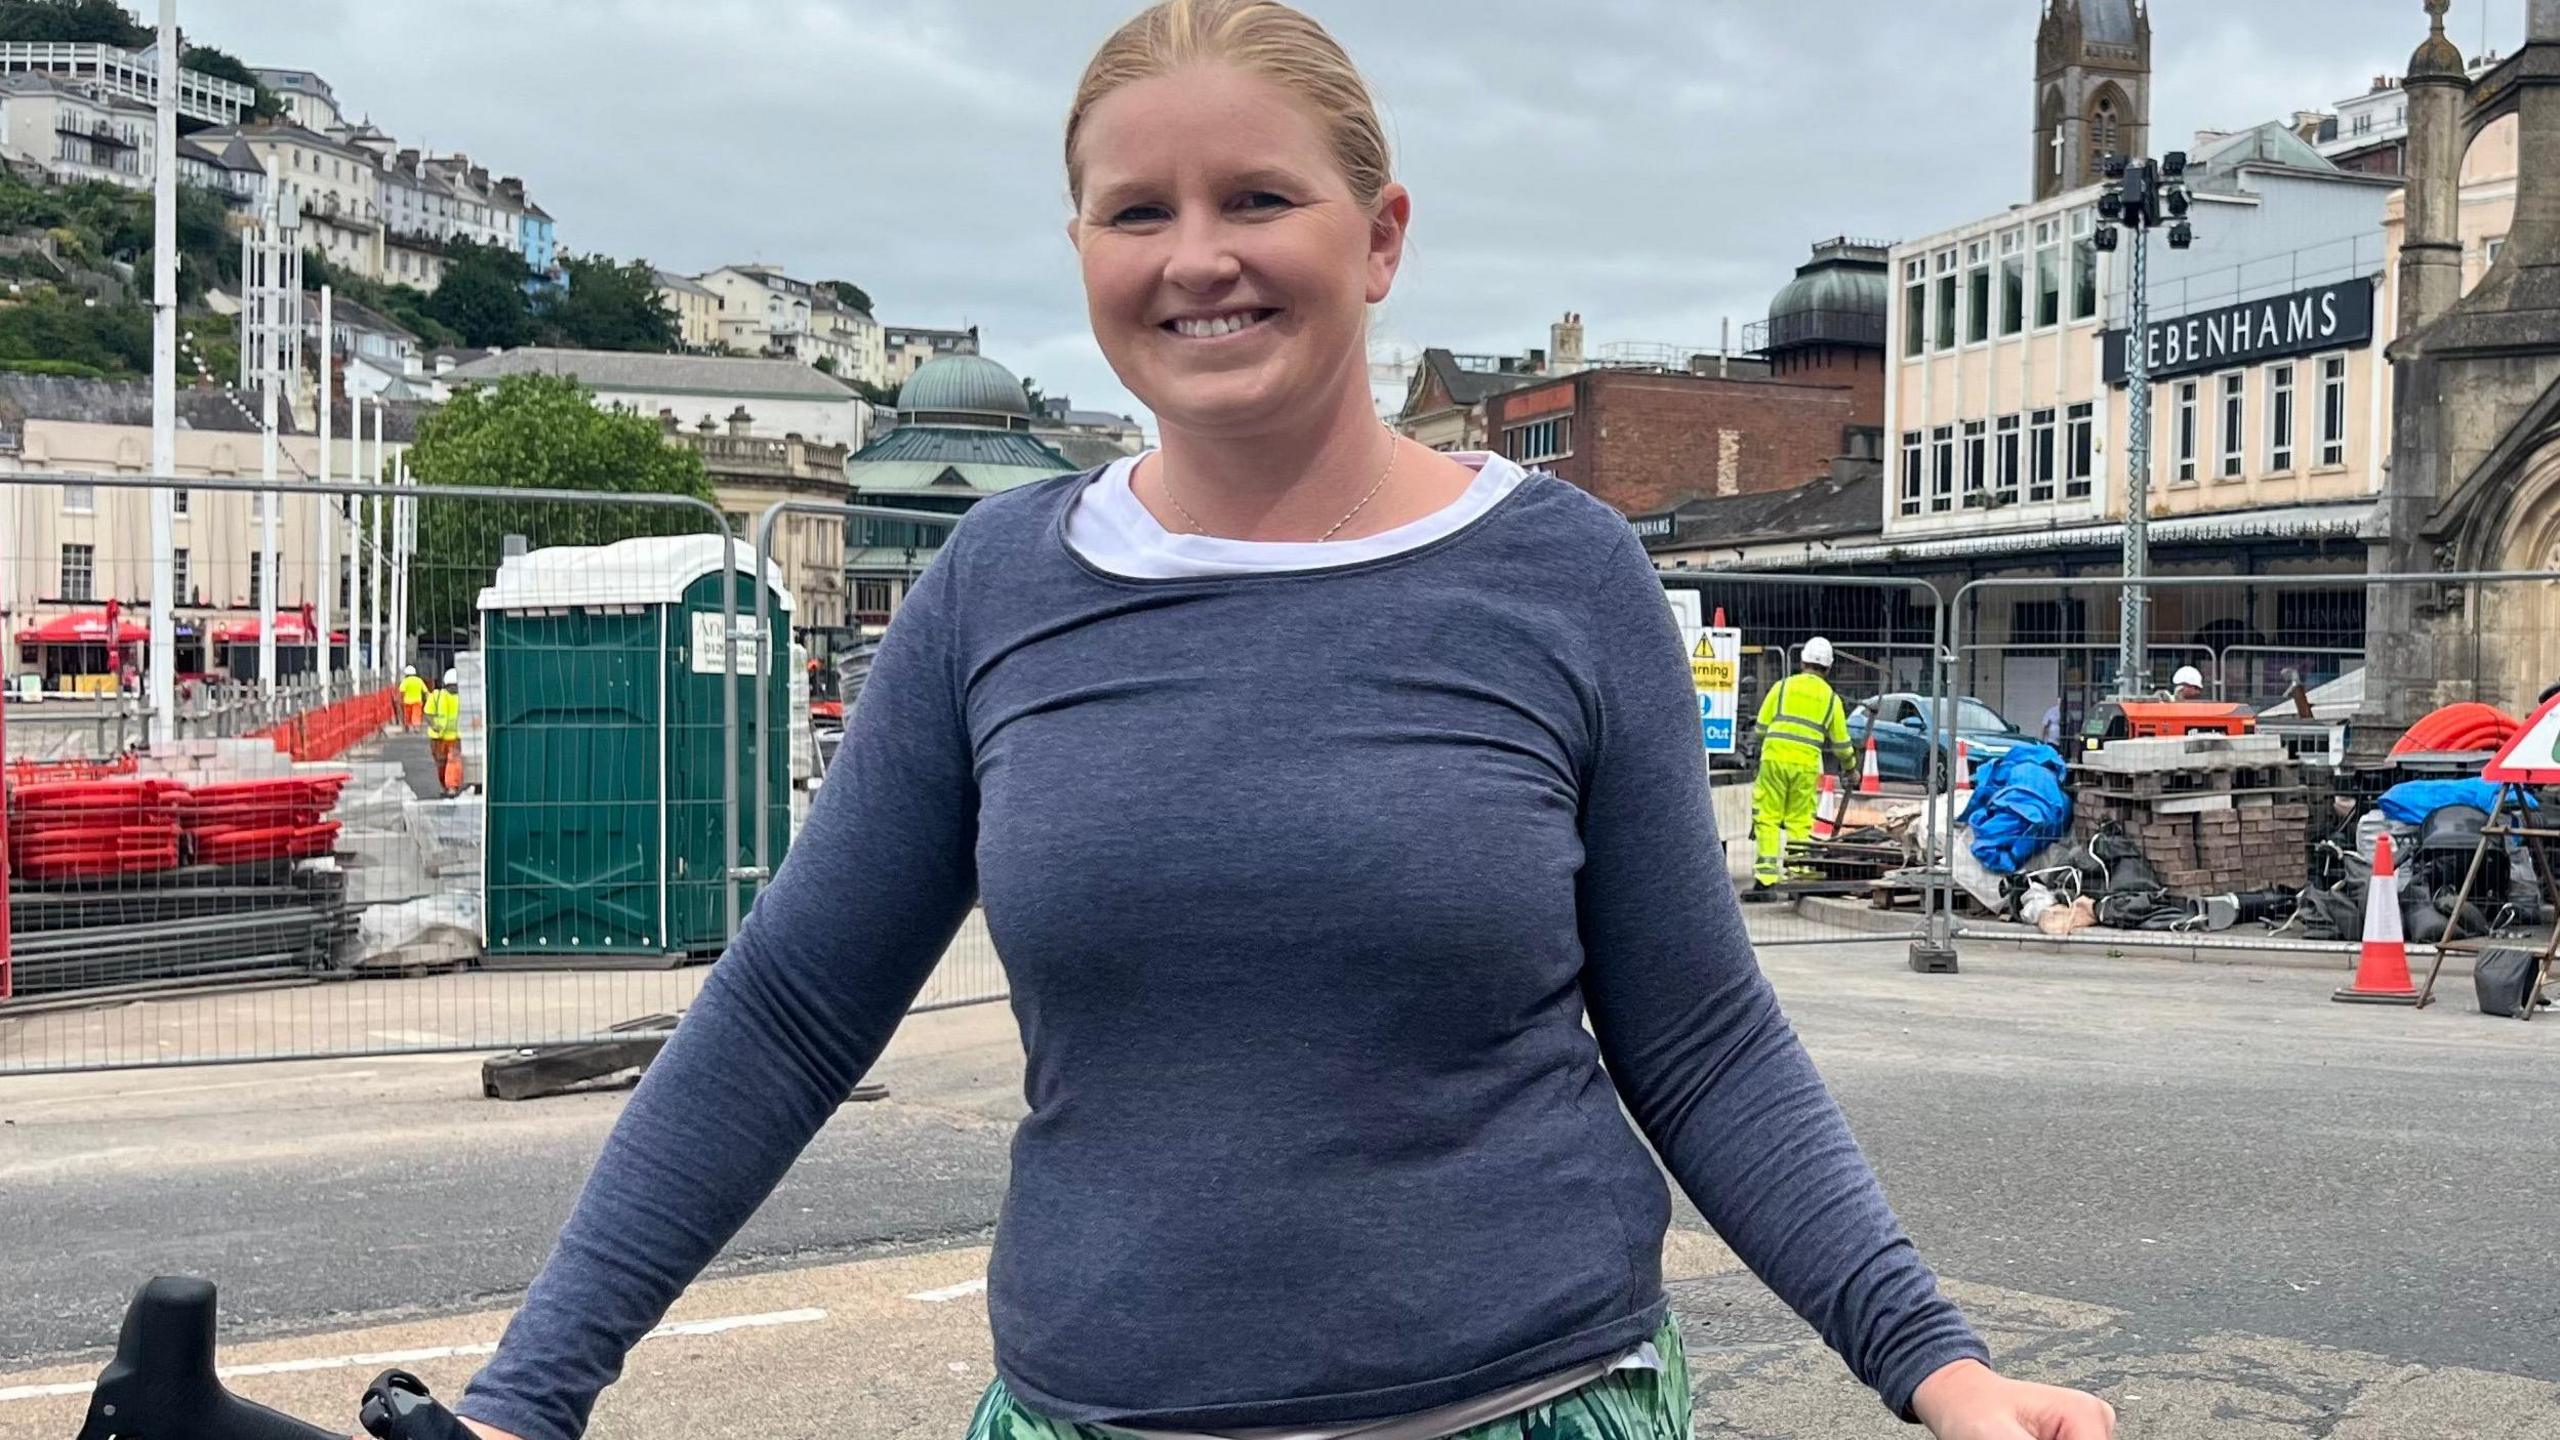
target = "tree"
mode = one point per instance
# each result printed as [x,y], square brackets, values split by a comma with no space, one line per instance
[607,305]
[224,65]
[481,297]
[536,432]
[824,364]
[95,22]
[850,294]
[877,394]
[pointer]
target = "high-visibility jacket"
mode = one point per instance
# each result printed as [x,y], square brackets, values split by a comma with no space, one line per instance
[444,716]
[413,691]
[1801,710]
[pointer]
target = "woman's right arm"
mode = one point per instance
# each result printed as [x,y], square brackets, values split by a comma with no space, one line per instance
[807,996]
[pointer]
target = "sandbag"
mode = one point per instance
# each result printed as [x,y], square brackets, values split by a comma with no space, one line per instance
[2502,980]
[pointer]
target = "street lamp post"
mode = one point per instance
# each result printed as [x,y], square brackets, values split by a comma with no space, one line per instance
[2141,195]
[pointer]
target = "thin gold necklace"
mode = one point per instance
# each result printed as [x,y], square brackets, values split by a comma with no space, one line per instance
[1164,482]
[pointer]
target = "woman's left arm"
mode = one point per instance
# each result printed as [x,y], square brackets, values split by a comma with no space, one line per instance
[1715,1076]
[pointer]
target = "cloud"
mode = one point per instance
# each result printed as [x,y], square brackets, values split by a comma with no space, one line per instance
[1658,165]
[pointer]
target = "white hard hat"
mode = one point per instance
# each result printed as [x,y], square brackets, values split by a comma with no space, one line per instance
[453,677]
[2188,675]
[1817,651]
[408,669]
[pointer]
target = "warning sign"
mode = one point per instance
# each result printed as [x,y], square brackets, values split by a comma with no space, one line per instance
[2533,756]
[1715,668]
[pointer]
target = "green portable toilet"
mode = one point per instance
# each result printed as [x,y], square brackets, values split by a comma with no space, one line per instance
[604,787]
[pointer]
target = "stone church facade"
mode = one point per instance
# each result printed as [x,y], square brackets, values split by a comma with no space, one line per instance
[2474,480]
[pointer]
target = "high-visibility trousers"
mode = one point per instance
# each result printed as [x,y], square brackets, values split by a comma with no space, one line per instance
[1782,801]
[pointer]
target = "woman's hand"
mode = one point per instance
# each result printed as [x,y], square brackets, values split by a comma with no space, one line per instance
[1968,1400]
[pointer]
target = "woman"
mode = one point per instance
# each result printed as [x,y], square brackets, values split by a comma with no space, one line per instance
[1315,785]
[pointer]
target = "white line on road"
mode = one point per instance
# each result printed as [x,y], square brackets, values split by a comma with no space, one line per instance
[952,1292]
[369,1359]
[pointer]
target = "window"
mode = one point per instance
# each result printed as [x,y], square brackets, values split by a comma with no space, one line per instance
[346,580]
[257,577]
[178,578]
[1977,458]
[1977,293]
[1946,323]
[2013,284]
[1912,461]
[2080,448]
[2235,423]
[2106,132]
[1550,439]
[79,572]
[2040,455]
[871,597]
[80,499]
[1942,469]
[1915,308]
[177,502]
[2364,124]
[2279,419]
[2182,445]
[2493,247]
[2333,410]
[2004,461]
[2048,284]
[2084,266]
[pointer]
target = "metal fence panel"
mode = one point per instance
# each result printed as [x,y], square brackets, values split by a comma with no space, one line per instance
[1861,875]
[281,873]
[2255,848]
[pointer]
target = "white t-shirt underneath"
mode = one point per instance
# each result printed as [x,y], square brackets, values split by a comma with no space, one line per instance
[1116,533]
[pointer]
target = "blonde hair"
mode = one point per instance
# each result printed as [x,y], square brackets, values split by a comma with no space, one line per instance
[1261,37]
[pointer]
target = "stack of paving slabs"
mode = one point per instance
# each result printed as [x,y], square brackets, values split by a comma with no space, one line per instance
[2211,813]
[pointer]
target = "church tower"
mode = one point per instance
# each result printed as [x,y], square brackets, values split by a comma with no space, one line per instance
[2093,89]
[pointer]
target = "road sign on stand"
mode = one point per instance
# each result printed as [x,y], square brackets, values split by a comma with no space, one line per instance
[1715,667]
[2533,756]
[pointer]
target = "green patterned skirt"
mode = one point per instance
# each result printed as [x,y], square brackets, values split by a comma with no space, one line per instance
[1621,1405]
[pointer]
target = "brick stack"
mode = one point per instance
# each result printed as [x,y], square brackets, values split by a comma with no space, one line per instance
[2211,813]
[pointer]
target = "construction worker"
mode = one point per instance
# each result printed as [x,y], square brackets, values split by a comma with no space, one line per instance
[1800,720]
[444,732]
[2187,684]
[413,697]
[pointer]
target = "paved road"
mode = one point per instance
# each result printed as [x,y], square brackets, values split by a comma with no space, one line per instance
[2203,1186]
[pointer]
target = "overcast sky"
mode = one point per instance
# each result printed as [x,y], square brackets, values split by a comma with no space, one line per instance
[1658,165]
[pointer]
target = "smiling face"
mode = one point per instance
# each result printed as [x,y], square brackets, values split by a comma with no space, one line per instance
[1228,267]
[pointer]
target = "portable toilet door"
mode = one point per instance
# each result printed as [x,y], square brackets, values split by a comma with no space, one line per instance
[597,786]
[697,899]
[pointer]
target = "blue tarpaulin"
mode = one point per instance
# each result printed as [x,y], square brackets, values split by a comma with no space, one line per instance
[2411,801]
[2019,807]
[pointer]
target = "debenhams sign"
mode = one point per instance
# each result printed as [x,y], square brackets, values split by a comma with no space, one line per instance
[2326,317]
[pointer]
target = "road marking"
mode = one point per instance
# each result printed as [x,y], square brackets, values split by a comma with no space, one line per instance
[374,1358]
[332,1078]
[952,1292]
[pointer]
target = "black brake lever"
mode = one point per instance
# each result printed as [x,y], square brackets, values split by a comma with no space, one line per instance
[398,1407]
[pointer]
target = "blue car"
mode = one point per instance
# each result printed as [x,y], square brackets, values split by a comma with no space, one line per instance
[1901,725]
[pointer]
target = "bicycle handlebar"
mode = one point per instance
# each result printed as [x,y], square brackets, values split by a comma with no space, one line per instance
[162,1384]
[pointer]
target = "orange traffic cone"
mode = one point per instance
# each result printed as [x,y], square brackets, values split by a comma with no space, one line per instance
[1826,808]
[1964,767]
[1871,779]
[2382,969]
